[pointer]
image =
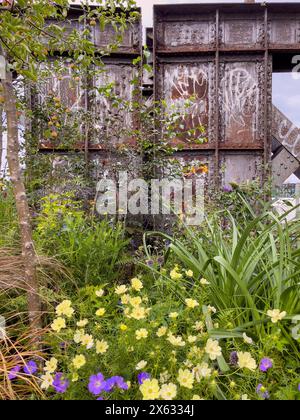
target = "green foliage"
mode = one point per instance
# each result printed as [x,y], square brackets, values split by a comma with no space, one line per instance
[9,232]
[91,248]
[251,268]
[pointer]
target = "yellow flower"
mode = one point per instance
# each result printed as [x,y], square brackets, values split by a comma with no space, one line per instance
[168,392]
[78,336]
[173,315]
[47,381]
[191,303]
[51,365]
[123,327]
[58,325]
[213,349]
[185,378]
[120,290]
[189,273]
[176,341]
[141,365]
[150,389]
[65,309]
[101,312]
[204,282]
[75,377]
[197,398]
[99,293]
[245,397]
[136,284]
[192,339]
[101,347]
[83,323]
[87,341]
[246,361]
[202,371]
[135,301]
[125,299]
[142,333]
[79,361]
[211,309]
[162,331]
[276,315]
[199,326]
[175,275]
[138,313]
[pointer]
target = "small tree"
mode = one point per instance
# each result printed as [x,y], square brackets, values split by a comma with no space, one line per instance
[26,39]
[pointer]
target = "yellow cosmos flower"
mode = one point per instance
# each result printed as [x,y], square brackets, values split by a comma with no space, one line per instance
[213,349]
[101,347]
[99,293]
[276,315]
[100,312]
[189,273]
[173,315]
[83,323]
[139,313]
[185,378]
[51,365]
[123,327]
[120,290]
[75,377]
[141,334]
[204,282]
[65,309]
[87,341]
[168,392]
[78,336]
[150,389]
[136,284]
[246,361]
[162,331]
[202,371]
[191,303]
[192,339]
[176,341]
[141,365]
[79,361]
[58,324]
[175,275]
[197,398]
[135,301]
[47,381]
[125,299]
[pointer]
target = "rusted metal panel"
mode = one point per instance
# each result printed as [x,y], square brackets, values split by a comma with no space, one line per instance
[114,118]
[130,42]
[241,31]
[241,167]
[186,87]
[284,30]
[241,103]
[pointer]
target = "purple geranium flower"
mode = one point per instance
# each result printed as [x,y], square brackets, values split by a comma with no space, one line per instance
[143,376]
[265,365]
[30,368]
[120,383]
[262,392]
[60,383]
[233,360]
[13,374]
[97,384]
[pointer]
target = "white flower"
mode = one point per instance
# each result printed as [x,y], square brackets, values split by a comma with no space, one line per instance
[213,349]
[202,371]
[99,293]
[141,365]
[204,282]
[276,315]
[247,340]
[246,361]
[245,397]
[211,309]
[47,381]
